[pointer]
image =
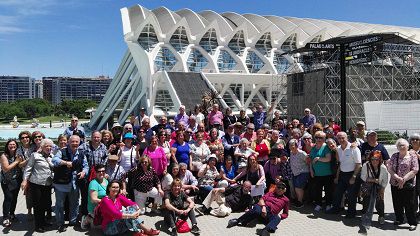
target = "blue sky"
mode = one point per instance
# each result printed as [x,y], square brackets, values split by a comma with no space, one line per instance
[84,37]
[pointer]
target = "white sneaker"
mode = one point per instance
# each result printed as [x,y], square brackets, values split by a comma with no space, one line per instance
[328,208]
[83,222]
[318,208]
[142,211]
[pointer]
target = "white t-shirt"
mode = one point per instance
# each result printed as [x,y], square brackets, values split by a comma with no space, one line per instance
[127,155]
[349,157]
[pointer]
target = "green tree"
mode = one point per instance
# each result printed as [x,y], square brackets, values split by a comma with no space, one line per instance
[76,107]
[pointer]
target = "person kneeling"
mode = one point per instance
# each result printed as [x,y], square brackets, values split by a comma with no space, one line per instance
[225,200]
[119,214]
[178,204]
[268,208]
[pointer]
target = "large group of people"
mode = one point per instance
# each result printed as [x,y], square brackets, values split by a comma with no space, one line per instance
[224,163]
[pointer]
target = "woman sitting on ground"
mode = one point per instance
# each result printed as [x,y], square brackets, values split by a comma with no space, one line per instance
[178,204]
[228,171]
[118,220]
[97,190]
[146,183]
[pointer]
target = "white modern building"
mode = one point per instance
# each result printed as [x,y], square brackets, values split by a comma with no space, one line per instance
[174,56]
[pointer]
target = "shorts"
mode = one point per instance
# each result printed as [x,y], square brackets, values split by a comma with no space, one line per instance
[300,181]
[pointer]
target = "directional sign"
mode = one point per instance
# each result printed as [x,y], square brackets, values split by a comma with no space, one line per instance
[321,46]
[365,41]
[357,60]
[361,50]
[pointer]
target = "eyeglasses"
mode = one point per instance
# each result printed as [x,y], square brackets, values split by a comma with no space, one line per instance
[128,128]
[141,131]
[307,139]
[100,171]
[23,137]
[319,137]
[415,139]
[74,120]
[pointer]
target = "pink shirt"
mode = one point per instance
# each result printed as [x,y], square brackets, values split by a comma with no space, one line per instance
[112,210]
[215,117]
[158,158]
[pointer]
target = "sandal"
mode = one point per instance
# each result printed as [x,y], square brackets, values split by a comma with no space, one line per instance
[7,223]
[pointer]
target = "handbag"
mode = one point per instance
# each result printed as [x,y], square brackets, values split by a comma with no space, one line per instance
[97,215]
[182,226]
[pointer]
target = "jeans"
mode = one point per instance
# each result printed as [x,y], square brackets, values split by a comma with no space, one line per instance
[40,196]
[325,182]
[271,220]
[343,185]
[170,217]
[10,200]
[403,200]
[60,198]
[369,202]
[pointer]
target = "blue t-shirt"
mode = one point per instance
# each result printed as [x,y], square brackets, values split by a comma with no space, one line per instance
[182,152]
[229,173]
[321,168]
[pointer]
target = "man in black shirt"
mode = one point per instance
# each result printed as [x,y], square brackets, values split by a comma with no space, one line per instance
[373,145]
[225,200]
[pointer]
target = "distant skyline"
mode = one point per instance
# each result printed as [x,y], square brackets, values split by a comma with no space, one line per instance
[78,38]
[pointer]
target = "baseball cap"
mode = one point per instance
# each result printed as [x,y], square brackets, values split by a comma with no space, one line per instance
[128,136]
[371,132]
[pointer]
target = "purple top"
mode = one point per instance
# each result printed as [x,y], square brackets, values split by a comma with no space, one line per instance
[308,120]
[405,165]
[180,117]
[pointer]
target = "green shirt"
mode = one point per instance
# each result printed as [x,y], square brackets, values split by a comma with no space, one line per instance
[100,189]
[321,168]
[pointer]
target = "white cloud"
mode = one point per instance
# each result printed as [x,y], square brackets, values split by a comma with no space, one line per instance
[18,10]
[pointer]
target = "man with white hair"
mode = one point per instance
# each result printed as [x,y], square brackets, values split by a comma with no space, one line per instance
[70,168]
[308,119]
[349,168]
[181,116]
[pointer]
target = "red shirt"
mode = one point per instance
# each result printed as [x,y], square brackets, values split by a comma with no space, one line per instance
[250,137]
[277,204]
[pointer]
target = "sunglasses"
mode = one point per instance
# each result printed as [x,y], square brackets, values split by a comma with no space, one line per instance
[307,139]
[319,137]
[23,137]
[38,136]
[415,139]
[74,120]
[100,171]
[374,159]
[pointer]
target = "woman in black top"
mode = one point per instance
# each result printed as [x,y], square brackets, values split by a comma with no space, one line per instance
[177,204]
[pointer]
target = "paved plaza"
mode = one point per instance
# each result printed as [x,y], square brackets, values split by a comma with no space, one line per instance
[300,222]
